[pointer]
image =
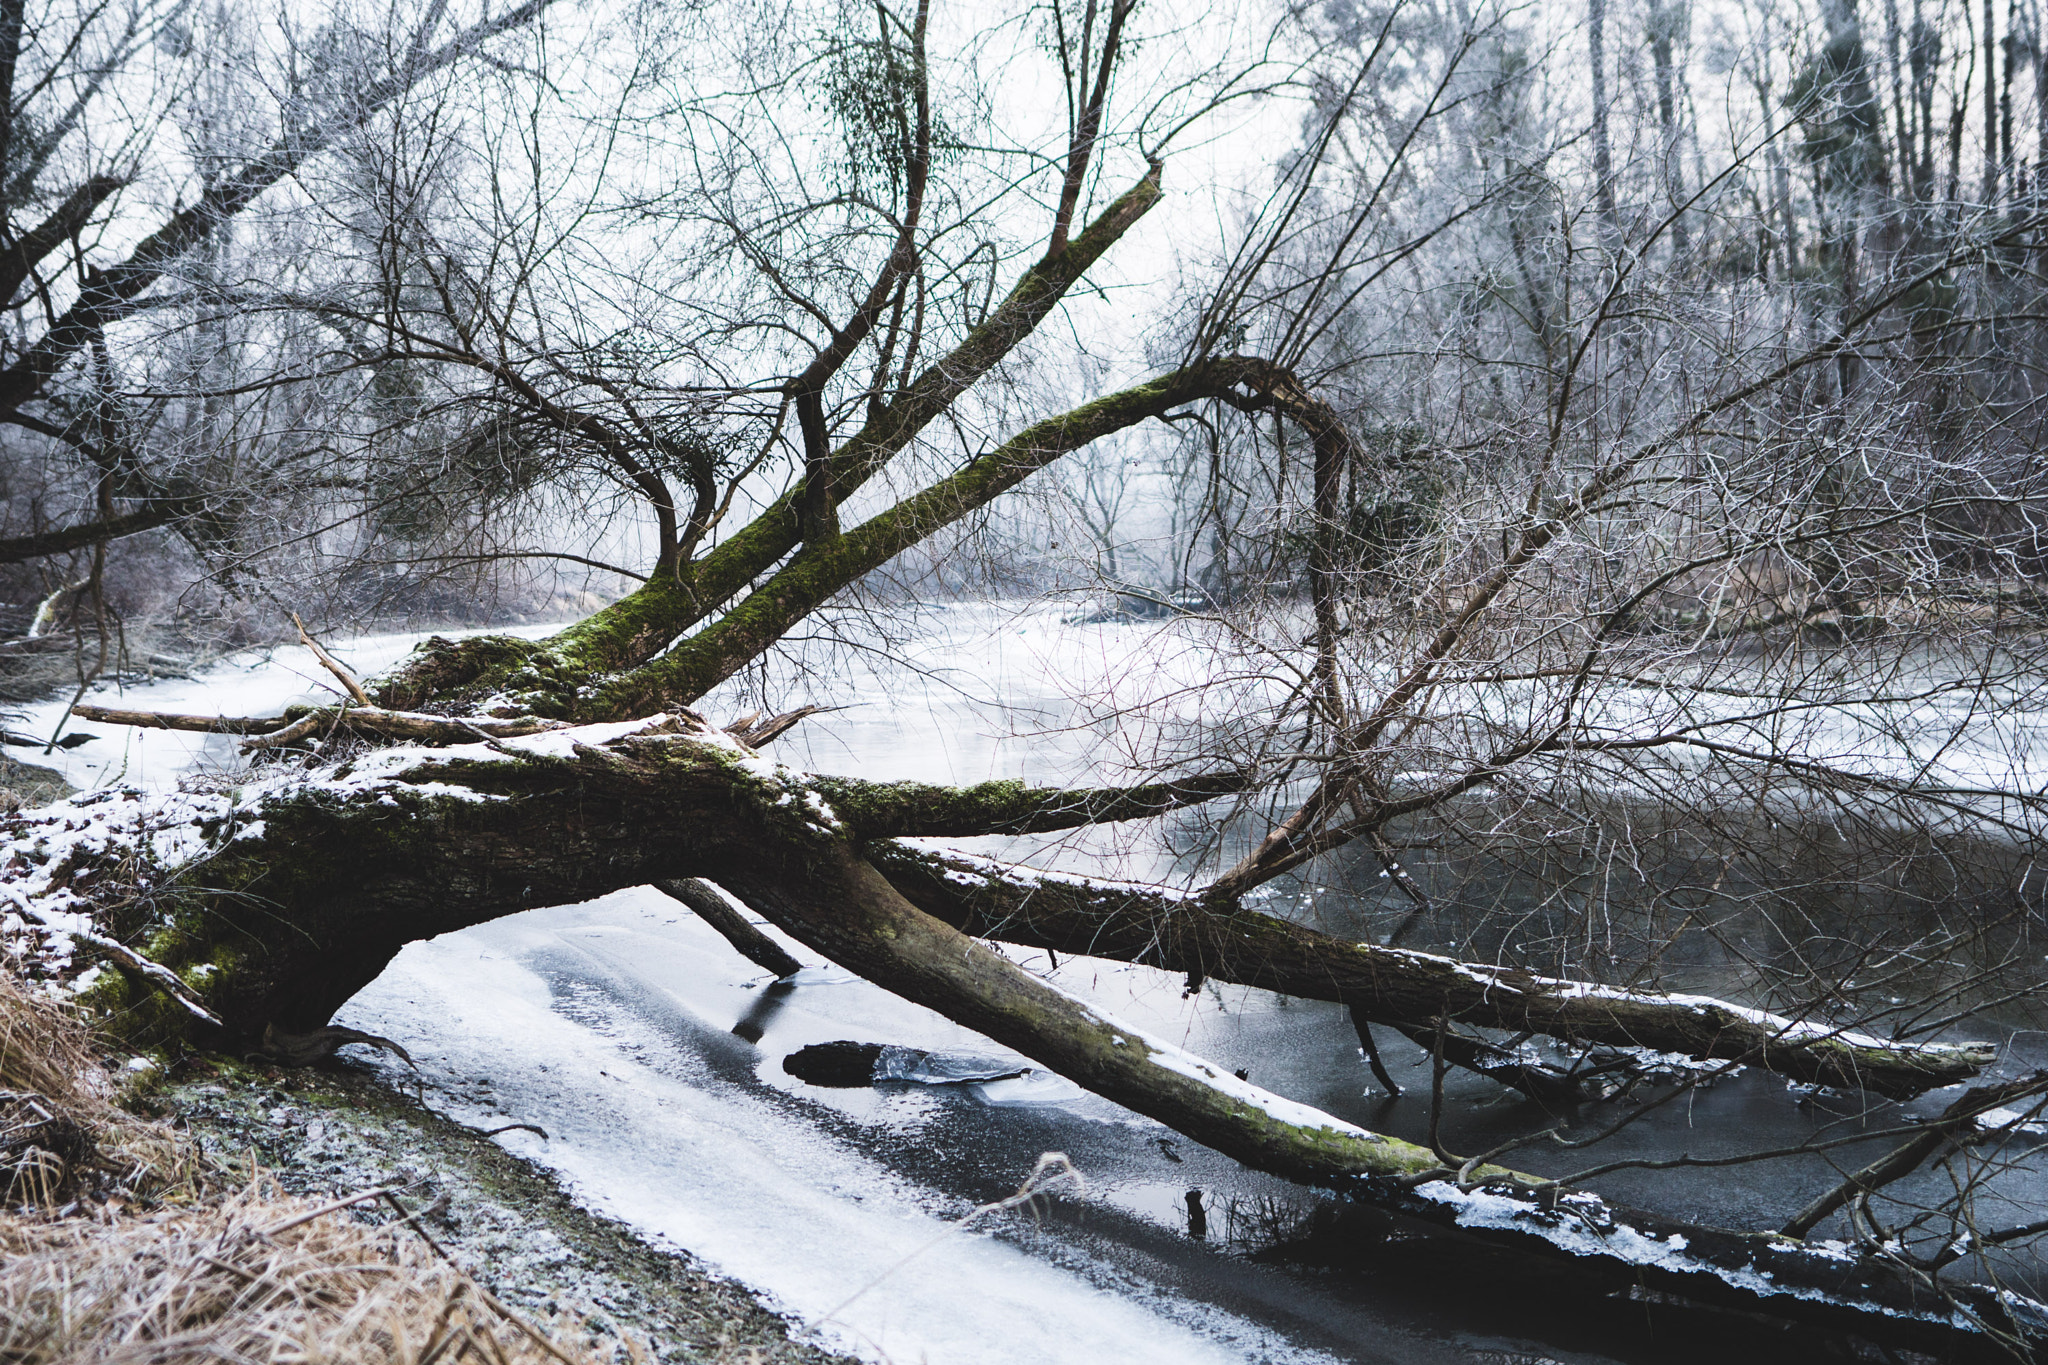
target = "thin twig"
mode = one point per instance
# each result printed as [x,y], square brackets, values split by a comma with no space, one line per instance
[336,1206]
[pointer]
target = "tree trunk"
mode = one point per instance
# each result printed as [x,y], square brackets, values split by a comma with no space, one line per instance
[268,906]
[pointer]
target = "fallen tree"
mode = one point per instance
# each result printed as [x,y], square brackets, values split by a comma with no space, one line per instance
[493,774]
[265,907]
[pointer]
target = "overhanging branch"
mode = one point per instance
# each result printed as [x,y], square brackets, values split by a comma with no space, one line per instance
[163,512]
[892,810]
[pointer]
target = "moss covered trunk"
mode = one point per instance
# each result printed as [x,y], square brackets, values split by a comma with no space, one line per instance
[272,904]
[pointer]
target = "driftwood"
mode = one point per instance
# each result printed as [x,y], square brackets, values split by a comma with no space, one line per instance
[755,729]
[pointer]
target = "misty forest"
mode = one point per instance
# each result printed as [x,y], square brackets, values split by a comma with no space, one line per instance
[1333,680]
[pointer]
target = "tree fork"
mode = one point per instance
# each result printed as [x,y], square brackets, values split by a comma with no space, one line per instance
[817,572]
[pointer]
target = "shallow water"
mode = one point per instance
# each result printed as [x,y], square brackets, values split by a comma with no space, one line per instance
[651,1054]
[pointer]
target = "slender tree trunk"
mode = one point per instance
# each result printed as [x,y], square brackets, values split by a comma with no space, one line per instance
[1603,153]
[1667,19]
[1990,105]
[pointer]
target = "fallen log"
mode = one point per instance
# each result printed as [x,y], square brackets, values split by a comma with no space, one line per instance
[1132,922]
[308,841]
[888,810]
[271,903]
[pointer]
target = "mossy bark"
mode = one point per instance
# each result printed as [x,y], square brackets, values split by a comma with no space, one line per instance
[303,890]
[1392,985]
[571,675]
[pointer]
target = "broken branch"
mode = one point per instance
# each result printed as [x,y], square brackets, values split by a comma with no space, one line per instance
[708,905]
[1906,1158]
[169,720]
[349,681]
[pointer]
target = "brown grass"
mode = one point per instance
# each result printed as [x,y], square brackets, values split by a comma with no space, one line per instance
[44,1048]
[119,1245]
[62,1137]
[246,1280]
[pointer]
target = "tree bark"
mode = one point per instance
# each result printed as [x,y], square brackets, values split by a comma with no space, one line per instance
[1172,930]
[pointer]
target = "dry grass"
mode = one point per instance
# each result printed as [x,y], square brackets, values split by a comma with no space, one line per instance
[120,1246]
[253,1278]
[62,1137]
[43,1046]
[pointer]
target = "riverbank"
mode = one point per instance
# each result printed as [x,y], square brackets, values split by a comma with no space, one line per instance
[335,1130]
[232,1212]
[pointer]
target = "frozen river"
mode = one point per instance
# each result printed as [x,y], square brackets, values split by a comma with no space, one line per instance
[652,1055]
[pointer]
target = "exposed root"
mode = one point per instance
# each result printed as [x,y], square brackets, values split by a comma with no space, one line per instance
[304,1049]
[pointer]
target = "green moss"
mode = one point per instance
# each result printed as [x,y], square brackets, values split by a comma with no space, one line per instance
[167,946]
[440,671]
[110,994]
